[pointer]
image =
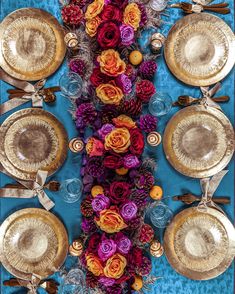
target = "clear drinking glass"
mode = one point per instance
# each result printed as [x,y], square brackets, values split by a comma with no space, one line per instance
[160,215]
[71,190]
[160,104]
[71,85]
[74,282]
[158,5]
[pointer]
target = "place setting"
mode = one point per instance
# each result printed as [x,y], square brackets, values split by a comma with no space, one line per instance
[110,190]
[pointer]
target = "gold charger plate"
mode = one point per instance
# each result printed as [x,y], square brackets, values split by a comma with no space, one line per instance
[199,49]
[200,245]
[32,241]
[199,141]
[32,139]
[32,44]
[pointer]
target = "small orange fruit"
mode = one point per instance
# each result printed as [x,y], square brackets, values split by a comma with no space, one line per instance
[121,171]
[156,193]
[135,57]
[138,283]
[96,190]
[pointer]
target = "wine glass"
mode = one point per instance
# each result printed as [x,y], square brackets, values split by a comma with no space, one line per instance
[74,282]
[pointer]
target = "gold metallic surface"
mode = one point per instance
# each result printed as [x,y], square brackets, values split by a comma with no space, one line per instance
[199,49]
[32,44]
[32,139]
[154,139]
[156,249]
[76,248]
[76,145]
[200,244]
[32,241]
[199,141]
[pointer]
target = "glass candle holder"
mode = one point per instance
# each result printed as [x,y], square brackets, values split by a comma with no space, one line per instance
[74,282]
[160,104]
[158,5]
[71,190]
[160,215]
[71,85]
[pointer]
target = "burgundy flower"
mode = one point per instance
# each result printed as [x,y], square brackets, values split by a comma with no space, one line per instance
[72,14]
[78,66]
[144,17]
[145,90]
[111,12]
[146,267]
[147,69]
[137,141]
[148,123]
[92,243]
[88,225]
[120,3]
[85,115]
[108,35]
[113,161]
[119,191]
[107,282]
[136,256]
[80,3]
[144,180]
[97,77]
[95,167]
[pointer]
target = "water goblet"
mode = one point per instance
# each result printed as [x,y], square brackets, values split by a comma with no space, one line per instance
[160,215]
[71,85]
[160,104]
[71,190]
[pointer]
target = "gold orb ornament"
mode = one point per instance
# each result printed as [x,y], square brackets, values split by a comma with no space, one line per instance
[156,249]
[76,248]
[138,283]
[154,139]
[71,40]
[76,145]
[156,193]
[135,57]
[121,171]
[96,190]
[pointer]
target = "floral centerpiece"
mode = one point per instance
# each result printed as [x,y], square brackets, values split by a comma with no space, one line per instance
[117,181]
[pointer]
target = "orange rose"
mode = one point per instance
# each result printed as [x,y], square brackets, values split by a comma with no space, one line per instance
[111,63]
[110,221]
[115,266]
[94,9]
[94,265]
[109,94]
[92,25]
[118,140]
[124,121]
[132,15]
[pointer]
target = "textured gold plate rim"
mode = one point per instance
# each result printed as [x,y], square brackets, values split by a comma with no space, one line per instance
[181,74]
[60,45]
[169,130]
[54,222]
[59,129]
[172,256]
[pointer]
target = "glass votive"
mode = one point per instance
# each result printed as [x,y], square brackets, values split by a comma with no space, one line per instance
[71,85]
[158,5]
[71,190]
[160,104]
[74,282]
[160,215]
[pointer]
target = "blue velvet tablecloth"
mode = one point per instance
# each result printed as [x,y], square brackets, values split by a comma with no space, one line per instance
[172,182]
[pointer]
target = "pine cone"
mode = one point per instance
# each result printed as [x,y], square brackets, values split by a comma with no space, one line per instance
[132,107]
[147,69]
[146,234]
[133,224]
[148,123]
[108,113]
[145,268]
[86,208]
[91,280]
[139,197]
[144,180]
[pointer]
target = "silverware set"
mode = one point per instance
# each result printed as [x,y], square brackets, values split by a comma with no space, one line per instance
[221,8]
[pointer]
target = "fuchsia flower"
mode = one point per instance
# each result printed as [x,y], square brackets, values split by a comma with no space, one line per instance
[129,211]
[105,130]
[131,161]
[106,248]
[100,202]
[123,243]
[127,34]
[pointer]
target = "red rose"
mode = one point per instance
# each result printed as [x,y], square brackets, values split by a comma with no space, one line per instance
[120,3]
[108,35]
[119,191]
[137,141]
[92,243]
[111,12]
[145,90]
[123,279]
[136,256]
[72,14]
[97,77]
[113,161]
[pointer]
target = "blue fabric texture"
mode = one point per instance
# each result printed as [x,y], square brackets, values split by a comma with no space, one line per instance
[172,182]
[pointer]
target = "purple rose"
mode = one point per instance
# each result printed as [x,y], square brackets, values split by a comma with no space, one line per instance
[107,282]
[106,249]
[131,161]
[123,243]
[88,226]
[105,130]
[127,34]
[100,202]
[124,83]
[129,211]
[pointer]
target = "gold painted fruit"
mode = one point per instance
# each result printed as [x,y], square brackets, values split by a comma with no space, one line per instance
[156,193]
[135,57]
[138,283]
